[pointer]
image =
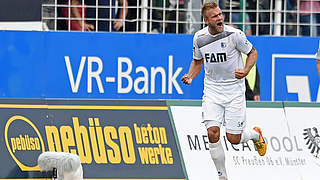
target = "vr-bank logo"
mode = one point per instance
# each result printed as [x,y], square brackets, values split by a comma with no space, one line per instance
[289,77]
[24,142]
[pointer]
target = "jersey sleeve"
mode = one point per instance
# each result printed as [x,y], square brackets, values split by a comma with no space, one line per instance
[196,50]
[318,54]
[242,43]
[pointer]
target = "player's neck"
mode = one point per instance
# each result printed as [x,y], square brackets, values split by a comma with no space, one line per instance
[213,31]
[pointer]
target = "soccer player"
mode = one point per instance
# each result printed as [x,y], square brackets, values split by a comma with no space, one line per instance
[318,60]
[219,48]
[318,66]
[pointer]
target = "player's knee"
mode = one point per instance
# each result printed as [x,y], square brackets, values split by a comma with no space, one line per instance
[214,134]
[234,138]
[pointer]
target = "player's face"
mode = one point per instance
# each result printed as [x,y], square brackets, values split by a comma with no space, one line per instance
[214,20]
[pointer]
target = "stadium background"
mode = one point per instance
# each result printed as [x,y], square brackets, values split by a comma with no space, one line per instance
[49,79]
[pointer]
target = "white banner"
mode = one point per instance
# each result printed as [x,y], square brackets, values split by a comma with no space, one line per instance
[304,125]
[285,158]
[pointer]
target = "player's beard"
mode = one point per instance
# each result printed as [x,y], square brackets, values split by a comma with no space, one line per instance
[215,28]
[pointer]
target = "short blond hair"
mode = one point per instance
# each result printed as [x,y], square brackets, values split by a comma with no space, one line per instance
[208,5]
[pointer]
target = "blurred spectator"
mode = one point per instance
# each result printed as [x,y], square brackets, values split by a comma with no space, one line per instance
[171,27]
[105,10]
[48,12]
[61,23]
[252,82]
[237,23]
[77,12]
[121,15]
[131,17]
[263,17]
[253,86]
[156,28]
[309,10]
[132,23]
[235,17]
[193,16]
[291,17]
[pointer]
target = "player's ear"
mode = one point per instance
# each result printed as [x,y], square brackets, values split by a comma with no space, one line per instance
[205,19]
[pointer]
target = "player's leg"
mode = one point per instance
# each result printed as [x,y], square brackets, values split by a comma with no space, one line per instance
[217,152]
[235,119]
[255,134]
[212,117]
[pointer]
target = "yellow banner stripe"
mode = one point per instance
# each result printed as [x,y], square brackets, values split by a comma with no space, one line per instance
[36,106]
[30,106]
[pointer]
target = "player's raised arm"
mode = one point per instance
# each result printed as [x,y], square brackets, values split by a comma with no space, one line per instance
[251,60]
[196,64]
[194,70]
[243,45]
[318,67]
[318,60]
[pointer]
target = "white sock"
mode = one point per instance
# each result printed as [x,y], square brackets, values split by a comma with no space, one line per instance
[249,135]
[218,157]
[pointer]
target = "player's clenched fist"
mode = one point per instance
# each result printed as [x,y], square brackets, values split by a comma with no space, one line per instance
[186,79]
[240,73]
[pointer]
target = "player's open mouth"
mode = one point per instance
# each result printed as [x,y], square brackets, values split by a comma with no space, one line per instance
[220,24]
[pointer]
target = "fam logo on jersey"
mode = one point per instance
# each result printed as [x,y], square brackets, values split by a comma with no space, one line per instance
[24,142]
[215,57]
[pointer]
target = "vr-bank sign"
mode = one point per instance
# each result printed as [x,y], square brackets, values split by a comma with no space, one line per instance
[294,78]
[141,80]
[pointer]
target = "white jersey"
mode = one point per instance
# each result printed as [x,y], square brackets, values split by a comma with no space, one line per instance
[221,54]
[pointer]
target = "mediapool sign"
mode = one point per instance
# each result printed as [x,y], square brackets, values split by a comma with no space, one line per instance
[140,66]
[291,131]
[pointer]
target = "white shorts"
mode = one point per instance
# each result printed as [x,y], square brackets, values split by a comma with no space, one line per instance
[230,112]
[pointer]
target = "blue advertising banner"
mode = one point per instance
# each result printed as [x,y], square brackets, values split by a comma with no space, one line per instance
[140,66]
[287,67]
[95,65]
[110,136]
